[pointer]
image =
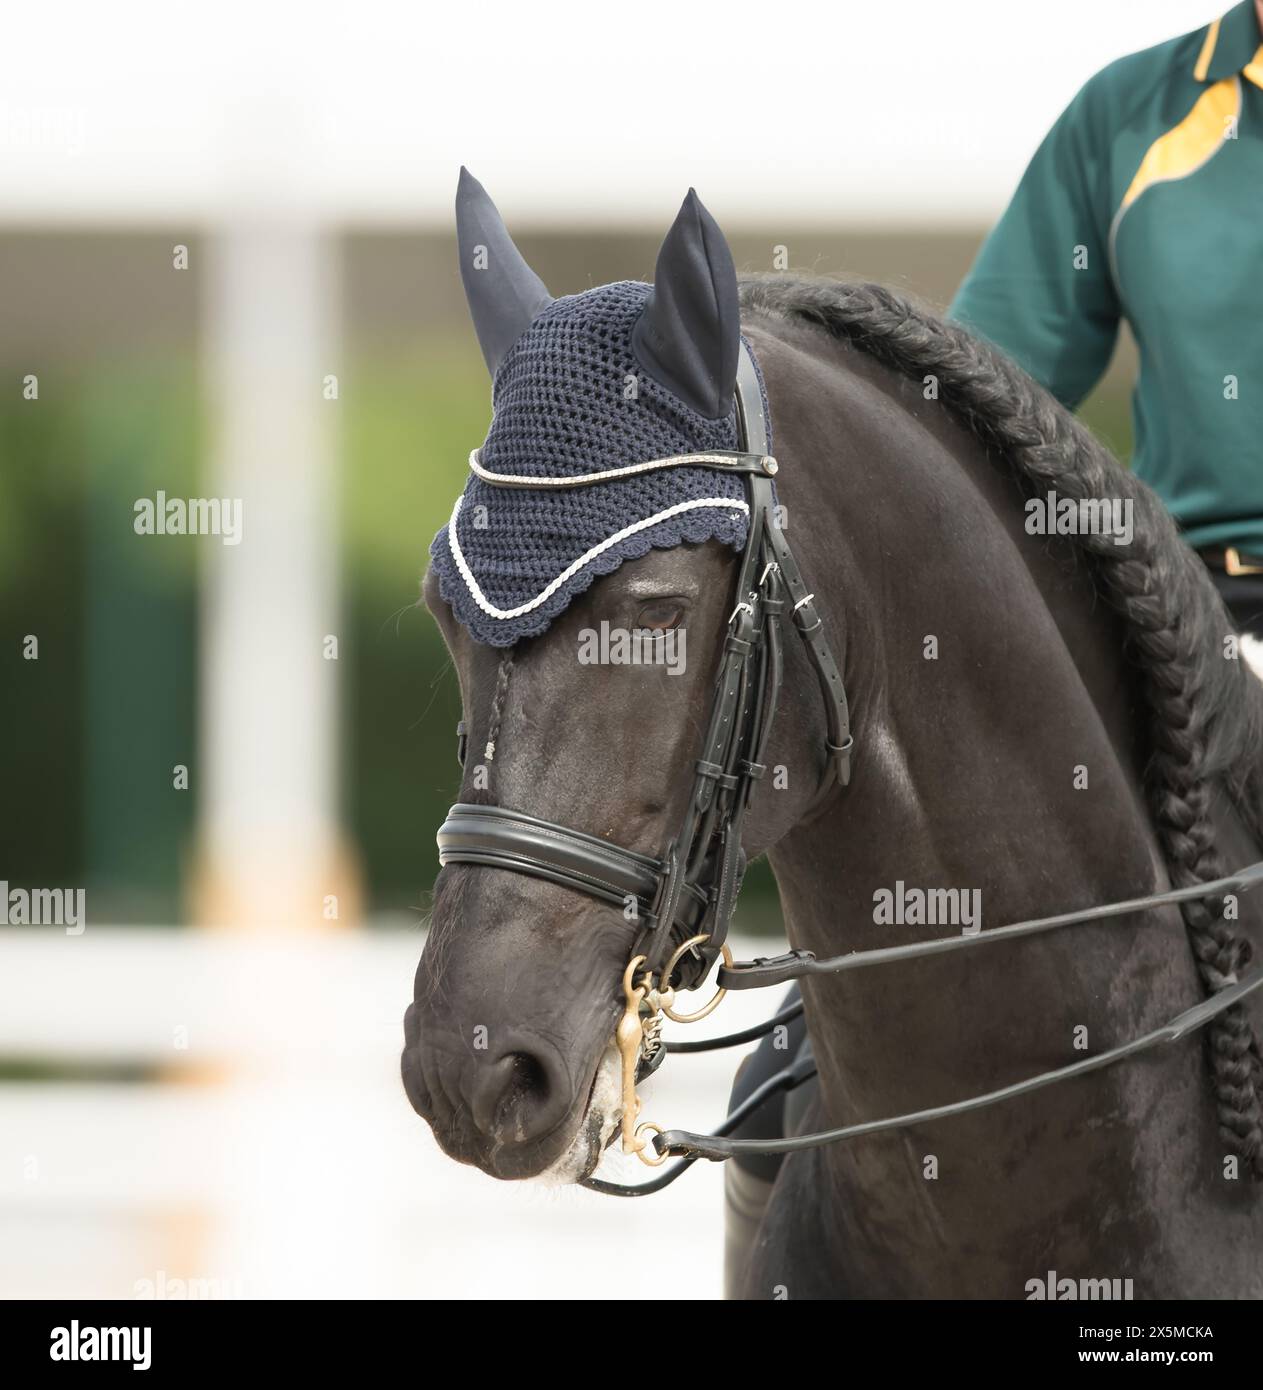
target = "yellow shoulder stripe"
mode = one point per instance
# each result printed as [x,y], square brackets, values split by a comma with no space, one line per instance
[1207,53]
[1190,144]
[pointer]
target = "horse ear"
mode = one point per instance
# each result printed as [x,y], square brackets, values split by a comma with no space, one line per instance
[504,293]
[688,336]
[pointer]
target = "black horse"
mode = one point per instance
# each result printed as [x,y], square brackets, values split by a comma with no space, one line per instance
[1054,721]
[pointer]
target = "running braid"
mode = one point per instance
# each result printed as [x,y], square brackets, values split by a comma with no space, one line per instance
[1204,714]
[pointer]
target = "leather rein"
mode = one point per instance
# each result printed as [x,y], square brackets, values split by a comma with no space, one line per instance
[684,900]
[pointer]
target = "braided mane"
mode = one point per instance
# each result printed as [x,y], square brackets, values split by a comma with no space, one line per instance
[1204,714]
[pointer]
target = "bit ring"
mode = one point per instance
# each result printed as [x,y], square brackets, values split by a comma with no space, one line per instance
[646,1147]
[670,970]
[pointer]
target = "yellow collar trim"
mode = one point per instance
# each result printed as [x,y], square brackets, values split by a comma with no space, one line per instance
[1253,70]
[1208,51]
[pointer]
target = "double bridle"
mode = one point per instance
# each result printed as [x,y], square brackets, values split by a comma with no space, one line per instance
[685,899]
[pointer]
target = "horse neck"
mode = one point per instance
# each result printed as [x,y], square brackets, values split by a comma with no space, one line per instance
[995,753]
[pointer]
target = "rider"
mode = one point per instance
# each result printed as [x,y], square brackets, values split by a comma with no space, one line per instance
[1142,204]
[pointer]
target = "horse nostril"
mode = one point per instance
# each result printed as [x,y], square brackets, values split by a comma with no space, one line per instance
[519,1095]
[529,1078]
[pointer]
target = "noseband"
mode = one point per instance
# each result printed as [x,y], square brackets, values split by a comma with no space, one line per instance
[685,899]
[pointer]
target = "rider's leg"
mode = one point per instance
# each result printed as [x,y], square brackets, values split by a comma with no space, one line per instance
[748,1179]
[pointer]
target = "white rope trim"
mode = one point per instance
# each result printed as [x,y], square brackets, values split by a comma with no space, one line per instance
[584,479]
[571,570]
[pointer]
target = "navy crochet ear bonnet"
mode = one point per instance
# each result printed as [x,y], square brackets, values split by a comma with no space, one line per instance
[595,382]
[570,398]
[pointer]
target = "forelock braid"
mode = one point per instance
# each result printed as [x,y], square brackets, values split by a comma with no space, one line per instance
[1204,718]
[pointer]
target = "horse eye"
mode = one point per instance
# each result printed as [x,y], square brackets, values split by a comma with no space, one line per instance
[661,615]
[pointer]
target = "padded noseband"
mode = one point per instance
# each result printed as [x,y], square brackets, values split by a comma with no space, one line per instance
[503,839]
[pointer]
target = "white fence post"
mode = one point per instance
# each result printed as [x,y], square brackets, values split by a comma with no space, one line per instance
[269,850]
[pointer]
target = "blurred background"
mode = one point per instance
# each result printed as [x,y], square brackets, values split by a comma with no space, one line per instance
[227,271]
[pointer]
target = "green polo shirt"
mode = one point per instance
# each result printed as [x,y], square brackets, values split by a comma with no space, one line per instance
[1145,202]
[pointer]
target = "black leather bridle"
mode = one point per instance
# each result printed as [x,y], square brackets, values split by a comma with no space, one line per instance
[685,898]
[691,889]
